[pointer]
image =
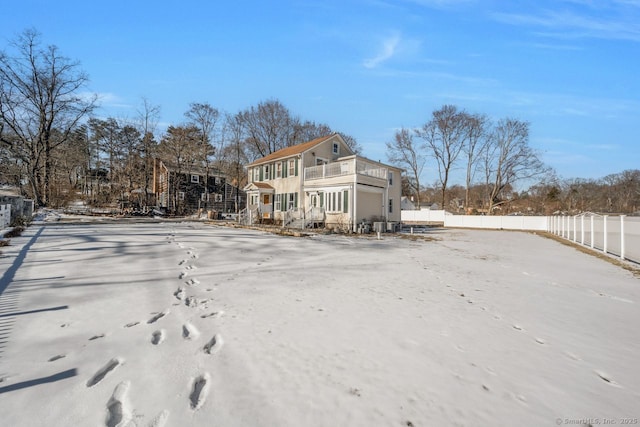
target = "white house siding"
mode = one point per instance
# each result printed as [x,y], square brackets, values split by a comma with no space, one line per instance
[370,205]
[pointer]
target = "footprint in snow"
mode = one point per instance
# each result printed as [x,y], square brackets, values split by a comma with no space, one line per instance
[215,315]
[517,327]
[118,412]
[183,275]
[192,282]
[131,325]
[182,262]
[104,371]
[157,337]
[180,294]
[95,337]
[157,317]
[607,378]
[189,331]
[214,345]
[57,357]
[199,391]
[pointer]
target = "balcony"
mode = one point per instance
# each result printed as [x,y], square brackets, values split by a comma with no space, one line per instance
[345,167]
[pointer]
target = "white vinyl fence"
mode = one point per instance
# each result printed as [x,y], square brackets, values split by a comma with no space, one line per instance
[616,235]
[5,216]
[423,215]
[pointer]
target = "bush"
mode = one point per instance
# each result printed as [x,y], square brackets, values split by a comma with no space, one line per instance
[15,232]
[5,242]
[20,221]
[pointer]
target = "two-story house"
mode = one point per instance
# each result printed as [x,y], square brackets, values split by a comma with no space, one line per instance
[187,190]
[322,183]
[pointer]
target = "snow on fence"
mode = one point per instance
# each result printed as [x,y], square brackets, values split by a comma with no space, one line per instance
[616,235]
[5,216]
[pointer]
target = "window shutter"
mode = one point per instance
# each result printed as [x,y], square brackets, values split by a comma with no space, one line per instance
[261,173]
[295,197]
[296,166]
[322,200]
[285,171]
[283,202]
[345,204]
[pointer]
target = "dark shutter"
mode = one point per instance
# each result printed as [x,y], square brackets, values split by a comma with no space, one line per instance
[345,204]
[296,167]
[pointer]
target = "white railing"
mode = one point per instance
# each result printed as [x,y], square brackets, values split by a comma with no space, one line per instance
[314,214]
[248,216]
[617,235]
[365,168]
[346,167]
[291,215]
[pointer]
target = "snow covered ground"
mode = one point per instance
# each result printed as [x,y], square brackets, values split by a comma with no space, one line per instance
[188,324]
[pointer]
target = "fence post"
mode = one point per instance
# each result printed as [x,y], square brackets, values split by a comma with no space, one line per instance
[582,230]
[575,228]
[593,233]
[604,228]
[622,237]
[561,226]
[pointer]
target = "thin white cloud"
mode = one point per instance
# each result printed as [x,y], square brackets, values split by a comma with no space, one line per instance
[567,24]
[386,52]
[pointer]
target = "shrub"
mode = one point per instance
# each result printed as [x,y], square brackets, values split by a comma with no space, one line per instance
[15,232]
[20,221]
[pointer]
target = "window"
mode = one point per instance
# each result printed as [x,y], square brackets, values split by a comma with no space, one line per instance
[390,205]
[256,174]
[292,167]
[278,170]
[266,172]
[204,197]
[180,195]
[337,201]
[292,199]
[218,197]
[278,202]
[195,178]
[336,148]
[390,178]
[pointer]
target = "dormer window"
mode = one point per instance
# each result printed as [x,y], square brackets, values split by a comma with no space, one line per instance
[336,148]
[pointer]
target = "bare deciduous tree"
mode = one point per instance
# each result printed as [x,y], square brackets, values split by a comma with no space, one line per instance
[147,120]
[444,135]
[206,118]
[40,106]
[475,144]
[509,158]
[404,152]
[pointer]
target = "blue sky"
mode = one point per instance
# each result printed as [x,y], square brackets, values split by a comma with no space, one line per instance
[368,67]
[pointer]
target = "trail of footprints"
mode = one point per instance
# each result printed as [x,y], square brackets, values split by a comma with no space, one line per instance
[517,327]
[118,409]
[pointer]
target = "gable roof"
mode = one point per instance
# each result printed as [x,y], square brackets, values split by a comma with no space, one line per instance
[293,150]
[257,186]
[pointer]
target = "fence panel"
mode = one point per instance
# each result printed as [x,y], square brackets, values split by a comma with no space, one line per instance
[5,216]
[612,234]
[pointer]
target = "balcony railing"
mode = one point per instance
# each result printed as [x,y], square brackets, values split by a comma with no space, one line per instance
[347,167]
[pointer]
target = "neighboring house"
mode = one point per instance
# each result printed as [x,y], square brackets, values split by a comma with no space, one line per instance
[406,204]
[322,183]
[188,190]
